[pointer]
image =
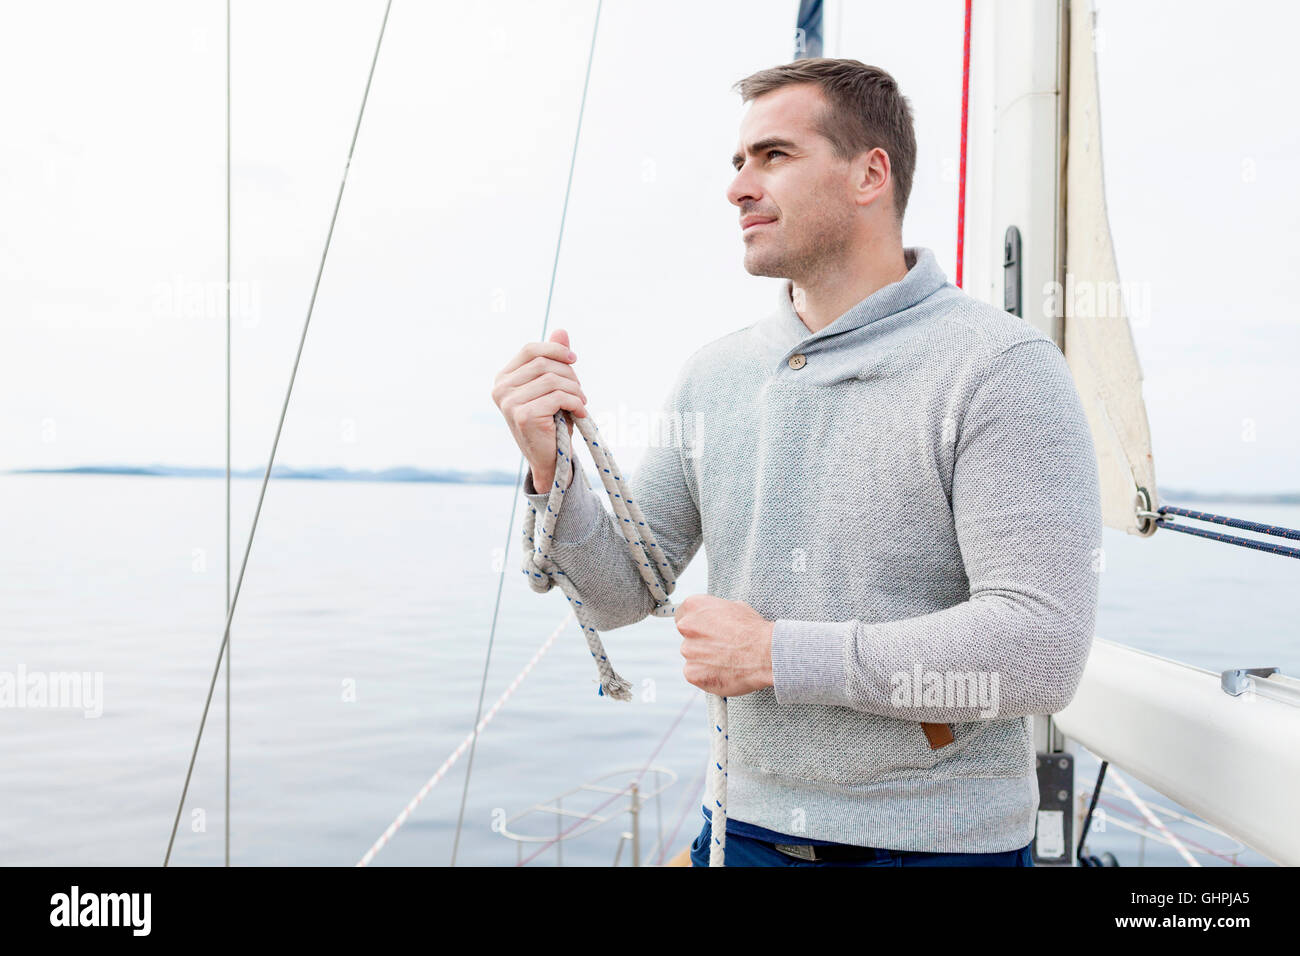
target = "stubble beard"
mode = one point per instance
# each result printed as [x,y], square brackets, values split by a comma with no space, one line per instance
[802,261]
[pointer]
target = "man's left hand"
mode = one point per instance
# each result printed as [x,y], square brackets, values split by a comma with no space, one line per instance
[727,645]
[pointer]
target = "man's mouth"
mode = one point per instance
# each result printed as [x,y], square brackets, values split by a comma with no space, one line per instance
[753,222]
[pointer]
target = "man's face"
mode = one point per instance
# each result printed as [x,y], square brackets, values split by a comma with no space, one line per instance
[797,212]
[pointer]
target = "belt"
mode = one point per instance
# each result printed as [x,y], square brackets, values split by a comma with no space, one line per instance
[938,736]
[818,854]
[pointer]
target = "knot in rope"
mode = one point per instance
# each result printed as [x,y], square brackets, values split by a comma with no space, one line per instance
[655,570]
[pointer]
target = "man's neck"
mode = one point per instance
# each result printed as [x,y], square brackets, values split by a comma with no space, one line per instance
[821,299]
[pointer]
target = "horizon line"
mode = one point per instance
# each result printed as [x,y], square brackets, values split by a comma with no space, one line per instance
[413,473]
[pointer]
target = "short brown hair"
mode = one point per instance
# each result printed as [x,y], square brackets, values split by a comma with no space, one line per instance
[866,110]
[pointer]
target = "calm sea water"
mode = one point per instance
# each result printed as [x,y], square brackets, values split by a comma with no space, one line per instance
[358,647]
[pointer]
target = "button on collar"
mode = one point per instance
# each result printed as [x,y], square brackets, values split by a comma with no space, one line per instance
[797,361]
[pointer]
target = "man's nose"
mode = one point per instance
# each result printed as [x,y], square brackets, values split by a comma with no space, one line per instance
[743,189]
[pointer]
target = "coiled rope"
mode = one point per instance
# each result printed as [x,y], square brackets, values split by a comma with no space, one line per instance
[655,570]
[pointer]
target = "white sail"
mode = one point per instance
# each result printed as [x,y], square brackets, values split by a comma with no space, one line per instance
[1098,341]
[1035,164]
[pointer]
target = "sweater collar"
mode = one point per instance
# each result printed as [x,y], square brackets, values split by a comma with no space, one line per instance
[924,277]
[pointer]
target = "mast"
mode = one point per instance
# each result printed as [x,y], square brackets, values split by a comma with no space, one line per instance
[1037,236]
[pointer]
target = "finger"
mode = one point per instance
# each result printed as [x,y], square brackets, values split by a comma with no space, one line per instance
[531,350]
[544,385]
[545,406]
[536,368]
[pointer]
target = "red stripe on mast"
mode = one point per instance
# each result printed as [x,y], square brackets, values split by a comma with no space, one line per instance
[961,180]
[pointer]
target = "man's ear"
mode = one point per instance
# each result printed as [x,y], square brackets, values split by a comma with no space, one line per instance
[872,175]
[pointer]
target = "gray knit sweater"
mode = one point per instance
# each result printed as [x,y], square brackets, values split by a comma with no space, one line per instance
[911,494]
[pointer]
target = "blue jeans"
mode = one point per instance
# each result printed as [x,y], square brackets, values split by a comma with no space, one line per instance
[745,851]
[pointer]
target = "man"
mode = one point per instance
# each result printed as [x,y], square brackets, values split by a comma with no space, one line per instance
[897,492]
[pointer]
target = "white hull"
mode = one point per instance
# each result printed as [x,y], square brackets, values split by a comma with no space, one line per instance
[1233,761]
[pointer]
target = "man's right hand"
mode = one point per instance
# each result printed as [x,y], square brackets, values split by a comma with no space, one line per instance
[534,385]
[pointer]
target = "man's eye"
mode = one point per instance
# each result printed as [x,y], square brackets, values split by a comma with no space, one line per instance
[770,153]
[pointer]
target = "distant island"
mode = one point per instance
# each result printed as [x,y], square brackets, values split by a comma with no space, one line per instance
[282,472]
[1174,496]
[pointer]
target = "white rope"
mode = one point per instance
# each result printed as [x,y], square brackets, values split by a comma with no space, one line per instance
[655,571]
[1152,819]
[461,748]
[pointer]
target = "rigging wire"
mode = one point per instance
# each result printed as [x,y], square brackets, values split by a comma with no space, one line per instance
[1154,820]
[266,478]
[546,317]
[226,649]
[447,764]
[1120,816]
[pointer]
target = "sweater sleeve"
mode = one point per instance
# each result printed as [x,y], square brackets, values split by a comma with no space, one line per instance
[591,550]
[1027,511]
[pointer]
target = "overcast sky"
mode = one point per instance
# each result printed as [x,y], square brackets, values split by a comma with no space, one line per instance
[112,211]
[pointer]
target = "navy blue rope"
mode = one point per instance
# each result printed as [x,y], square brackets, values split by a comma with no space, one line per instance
[1233,522]
[1274,530]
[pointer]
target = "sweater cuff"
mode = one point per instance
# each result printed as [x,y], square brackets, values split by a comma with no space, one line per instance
[578,507]
[808,662]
